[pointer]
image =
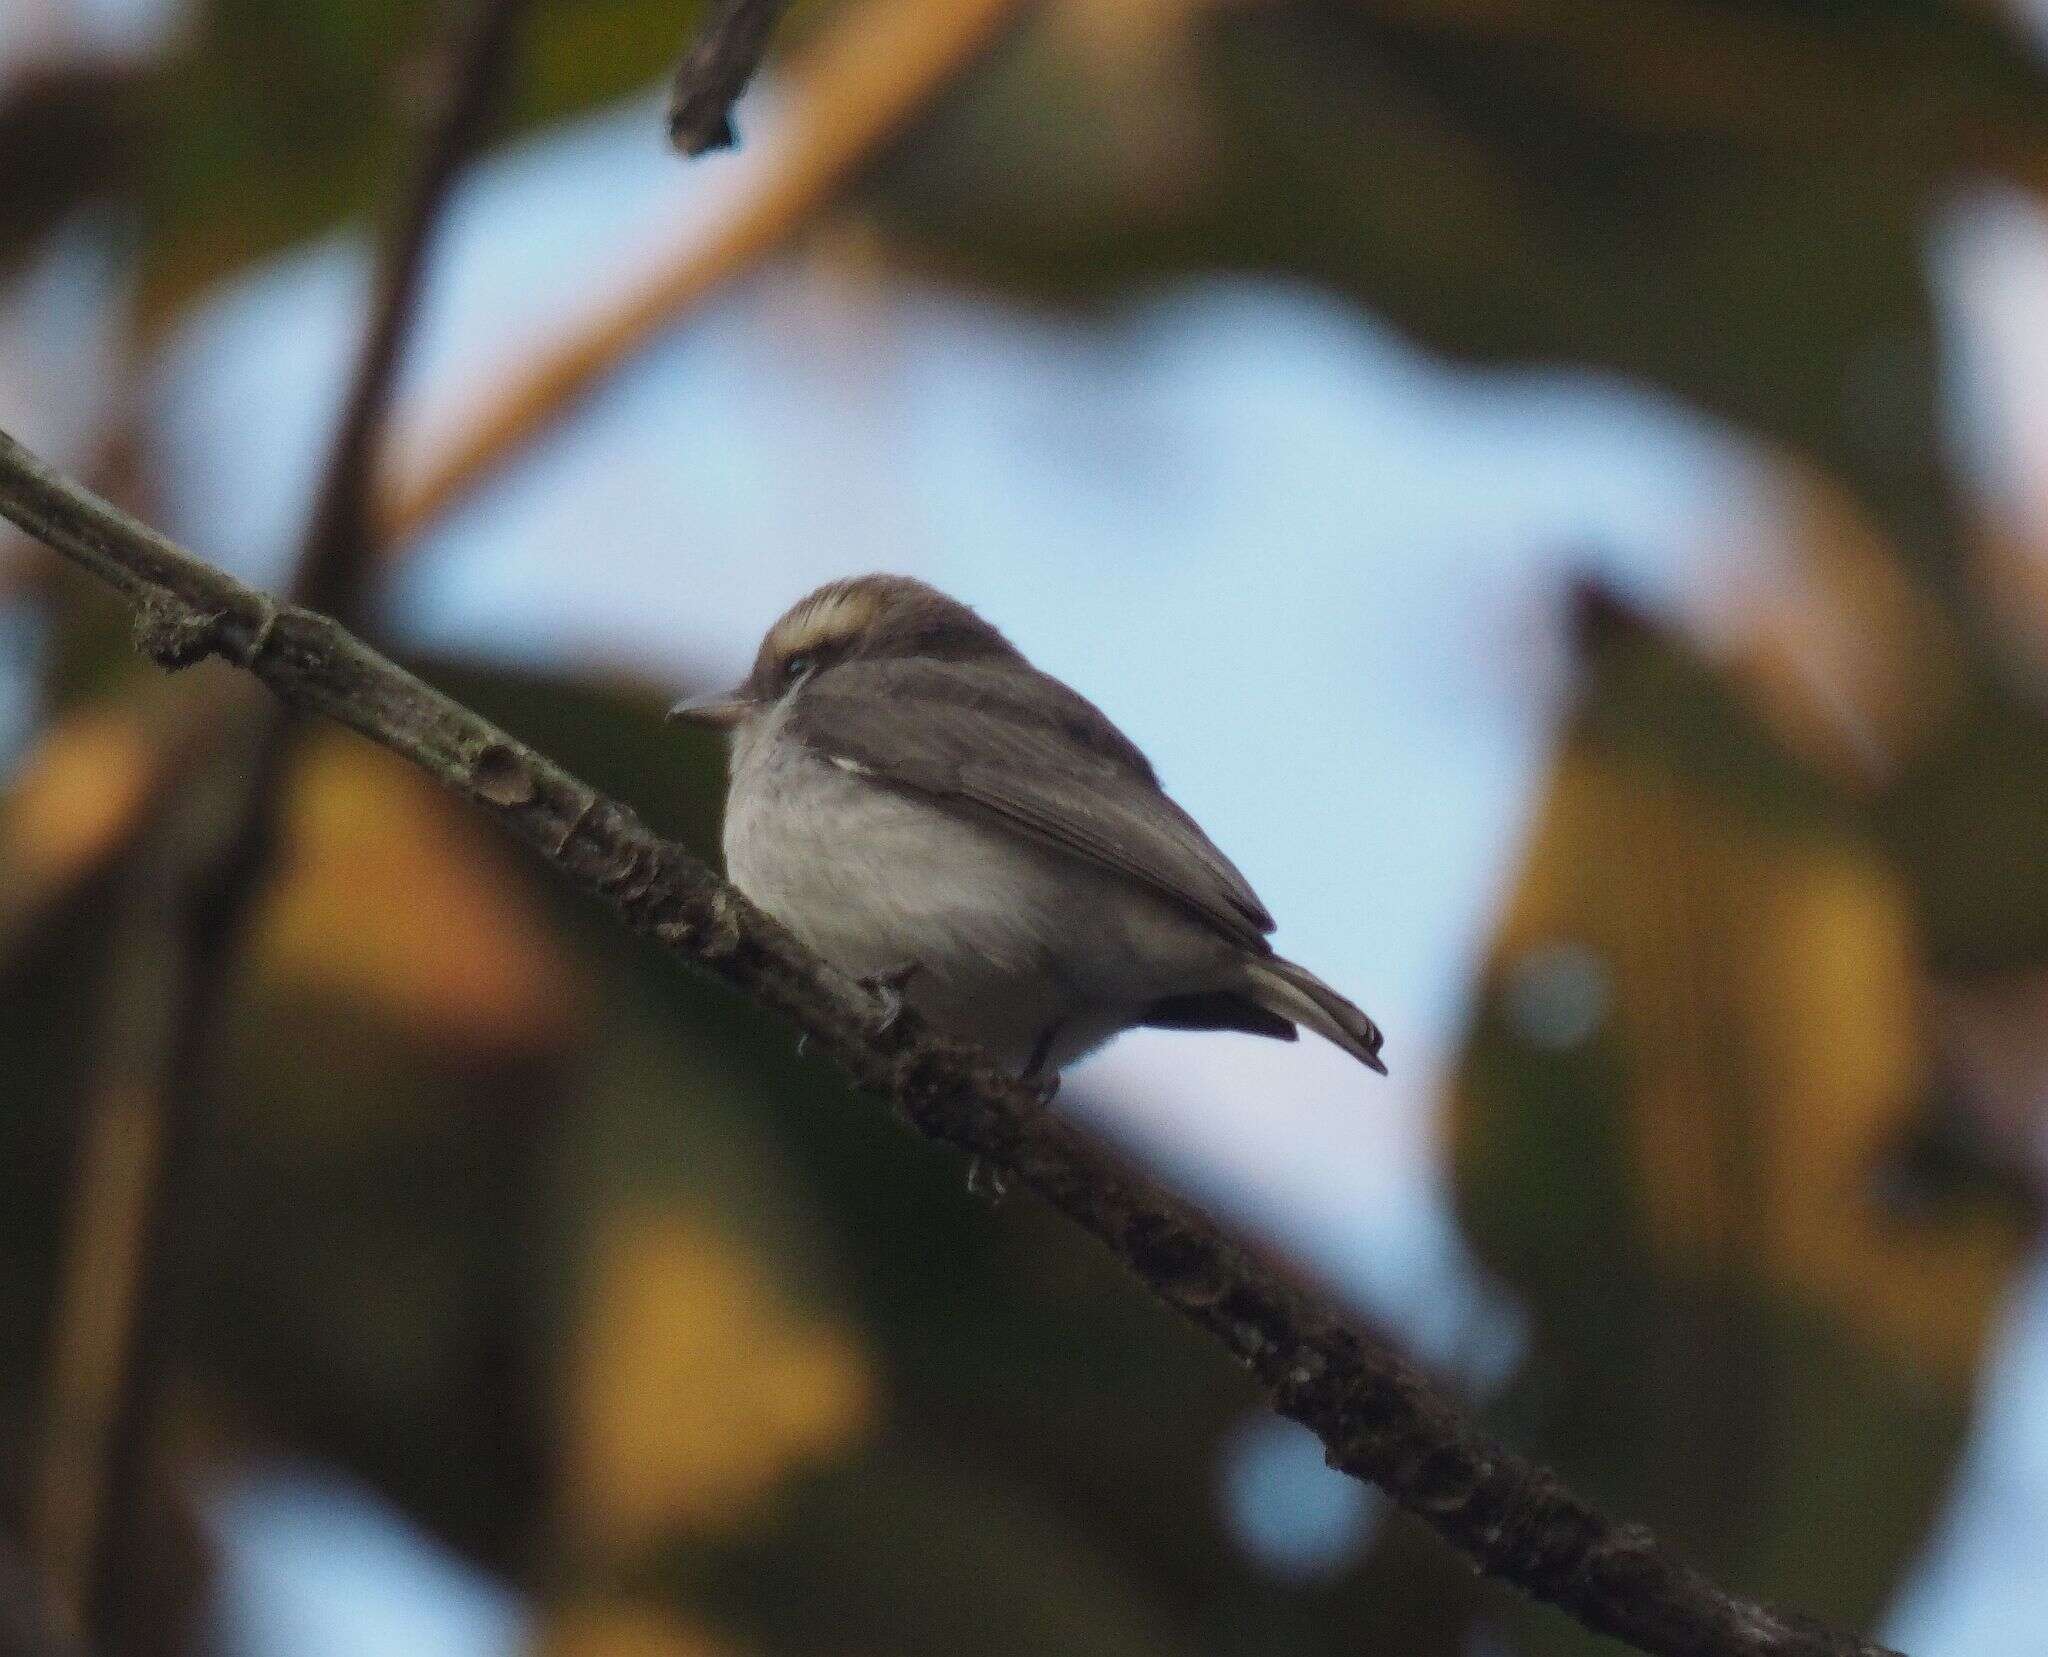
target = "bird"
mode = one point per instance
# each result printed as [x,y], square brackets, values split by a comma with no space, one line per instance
[932,814]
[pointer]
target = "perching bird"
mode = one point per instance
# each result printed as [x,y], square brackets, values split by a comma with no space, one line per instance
[923,807]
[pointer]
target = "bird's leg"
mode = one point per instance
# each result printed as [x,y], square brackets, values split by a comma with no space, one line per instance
[887,987]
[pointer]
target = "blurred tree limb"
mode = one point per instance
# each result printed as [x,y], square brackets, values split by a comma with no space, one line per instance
[852,91]
[139,1217]
[1378,1416]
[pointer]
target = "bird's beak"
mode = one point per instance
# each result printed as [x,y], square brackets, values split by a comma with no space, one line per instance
[720,712]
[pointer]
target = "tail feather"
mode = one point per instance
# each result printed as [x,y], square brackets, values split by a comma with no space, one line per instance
[1298,994]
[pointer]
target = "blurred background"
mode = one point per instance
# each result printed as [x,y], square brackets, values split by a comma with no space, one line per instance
[1560,490]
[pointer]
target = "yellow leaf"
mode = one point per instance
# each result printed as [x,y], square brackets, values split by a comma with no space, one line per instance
[1770,1009]
[695,1387]
[386,894]
[76,792]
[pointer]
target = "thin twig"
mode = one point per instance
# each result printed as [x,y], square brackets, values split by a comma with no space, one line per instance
[1378,1416]
[140,1216]
[715,71]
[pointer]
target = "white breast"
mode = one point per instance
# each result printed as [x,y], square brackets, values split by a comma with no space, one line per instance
[1009,938]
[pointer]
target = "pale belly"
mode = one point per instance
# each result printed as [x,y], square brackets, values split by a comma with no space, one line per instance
[1010,941]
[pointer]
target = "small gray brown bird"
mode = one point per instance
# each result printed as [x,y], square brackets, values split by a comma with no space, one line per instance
[920,805]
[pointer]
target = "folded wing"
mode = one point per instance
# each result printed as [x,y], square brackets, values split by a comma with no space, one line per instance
[1032,757]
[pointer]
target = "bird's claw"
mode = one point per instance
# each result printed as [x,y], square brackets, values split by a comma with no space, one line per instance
[984,1179]
[887,988]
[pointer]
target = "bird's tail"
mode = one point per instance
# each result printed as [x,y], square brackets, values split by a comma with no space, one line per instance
[1298,994]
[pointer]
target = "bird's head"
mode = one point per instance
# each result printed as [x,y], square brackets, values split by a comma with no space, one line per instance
[864,618]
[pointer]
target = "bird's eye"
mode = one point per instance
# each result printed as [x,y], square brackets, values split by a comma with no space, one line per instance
[797,666]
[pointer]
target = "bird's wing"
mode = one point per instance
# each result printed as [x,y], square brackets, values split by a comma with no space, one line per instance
[1034,758]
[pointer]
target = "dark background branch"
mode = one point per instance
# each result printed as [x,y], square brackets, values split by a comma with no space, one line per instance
[140,1209]
[336,555]
[1378,1416]
[27,1627]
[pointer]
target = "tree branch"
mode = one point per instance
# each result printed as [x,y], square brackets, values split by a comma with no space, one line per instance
[1378,1416]
[715,71]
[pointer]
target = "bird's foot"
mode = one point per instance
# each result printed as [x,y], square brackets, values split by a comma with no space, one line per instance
[984,1179]
[887,988]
